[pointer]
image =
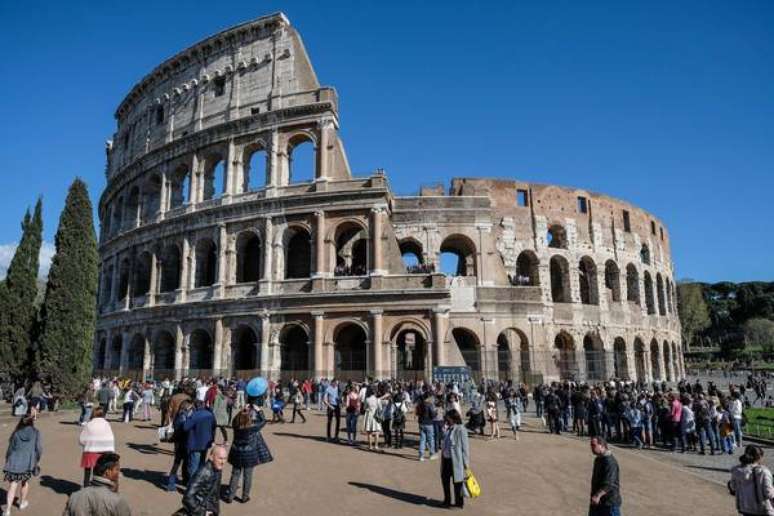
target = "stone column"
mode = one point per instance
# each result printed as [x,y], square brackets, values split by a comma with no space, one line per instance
[124,359]
[229,177]
[272,179]
[222,260]
[486,365]
[377,266]
[193,187]
[376,331]
[319,245]
[114,282]
[319,337]
[225,354]
[163,194]
[264,284]
[323,150]
[217,347]
[481,255]
[146,356]
[179,343]
[265,336]
[440,323]
[186,270]
[154,287]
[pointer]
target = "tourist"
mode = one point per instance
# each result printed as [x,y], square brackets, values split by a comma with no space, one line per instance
[455,458]
[492,416]
[751,483]
[298,404]
[398,410]
[25,447]
[101,497]
[425,414]
[515,408]
[86,402]
[605,483]
[331,402]
[202,498]
[372,422]
[19,403]
[104,395]
[219,407]
[128,400]
[114,396]
[247,451]
[96,438]
[147,399]
[676,415]
[352,411]
[634,416]
[438,420]
[476,420]
[179,438]
[200,434]
[278,405]
[735,410]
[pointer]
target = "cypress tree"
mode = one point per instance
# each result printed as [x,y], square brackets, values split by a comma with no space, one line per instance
[17,299]
[68,314]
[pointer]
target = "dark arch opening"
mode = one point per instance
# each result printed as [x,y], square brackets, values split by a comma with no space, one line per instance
[351,251]
[649,304]
[142,274]
[180,186]
[660,294]
[560,279]
[170,268]
[639,360]
[613,281]
[587,280]
[245,349]
[294,352]
[556,237]
[164,353]
[655,360]
[136,353]
[413,259]
[411,352]
[458,256]
[201,351]
[566,360]
[620,361]
[206,262]
[350,352]
[467,343]
[595,358]
[298,255]
[632,284]
[248,258]
[527,274]
[645,254]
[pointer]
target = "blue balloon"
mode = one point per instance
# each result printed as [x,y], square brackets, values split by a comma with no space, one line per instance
[257,386]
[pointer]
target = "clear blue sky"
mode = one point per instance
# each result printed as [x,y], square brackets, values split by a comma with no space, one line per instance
[669,105]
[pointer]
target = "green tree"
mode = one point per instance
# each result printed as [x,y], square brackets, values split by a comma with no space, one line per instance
[760,332]
[18,312]
[68,314]
[694,315]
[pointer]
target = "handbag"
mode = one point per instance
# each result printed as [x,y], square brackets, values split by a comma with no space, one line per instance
[471,484]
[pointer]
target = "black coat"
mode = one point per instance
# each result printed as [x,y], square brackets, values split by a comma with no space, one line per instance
[249,449]
[203,493]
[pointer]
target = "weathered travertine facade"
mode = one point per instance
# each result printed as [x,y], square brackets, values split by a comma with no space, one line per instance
[214,257]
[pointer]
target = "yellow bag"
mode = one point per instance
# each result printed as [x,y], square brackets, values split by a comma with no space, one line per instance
[474,489]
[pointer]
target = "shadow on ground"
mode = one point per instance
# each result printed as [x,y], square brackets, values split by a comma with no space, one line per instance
[59,485]
[398,495]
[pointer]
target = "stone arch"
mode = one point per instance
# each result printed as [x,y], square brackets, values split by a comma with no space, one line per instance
[255,160]
[245,348]
[566,360]
[142,274]
[645,254]
[667,362]
[298,141]
[527,269]
[587,280]
[620,359]
[114,361]
[517,348]
[648,285]
[124,277]
[163,355]
[200,351]
[151,205]
[469,347]
[411,340]
[170,268]
[350,345]
[132,207]
[294,350]
[298,252]
[463,248]
[676,362]
[136,353]
[214,176]
[349,248]
[594,354]
[560,279]
[632,284]
[118,215]
[180,186]
[556,237]
[655,359]
[639,360]
[411,252]
[99,358]
[206,263]
[660,294]
[248,257]
[613,281]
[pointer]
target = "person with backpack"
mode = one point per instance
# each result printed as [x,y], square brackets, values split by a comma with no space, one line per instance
[751,484]
[701,414]
[25,447]
[399,409]
[352,411]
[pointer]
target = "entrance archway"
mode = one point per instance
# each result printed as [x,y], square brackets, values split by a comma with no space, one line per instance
[350,352]
[620,361]
[200,352]
[245,349]
[566,362]
[595,358]
[294,352]
[164,354]
[655,360]
[467,343]
[639,360]
[412,350]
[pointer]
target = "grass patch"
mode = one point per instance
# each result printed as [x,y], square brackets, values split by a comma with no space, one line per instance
[760,422]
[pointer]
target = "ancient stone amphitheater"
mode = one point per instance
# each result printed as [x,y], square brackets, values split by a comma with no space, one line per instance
[221,254]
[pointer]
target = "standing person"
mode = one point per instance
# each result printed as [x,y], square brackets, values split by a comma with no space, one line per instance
[634,416]
[202,498]
[331,402]
[372,415]
[200,430]
[605,482]
[278,406]
[247,451]
[101,496]
[455,458]
[298,405]
[399,410]
[179,439]
[96,438]
[25,447]
[86,401]
[516,409]
[491,416]
[751,483]
[220,411]
[104,395]
[735,408]
[352,409]
[130,397]
[147,401]
[425,415]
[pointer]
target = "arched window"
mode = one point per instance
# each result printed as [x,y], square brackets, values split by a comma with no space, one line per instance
[620,360]
[645,254]
[556,237]
[152,198]
[350,352]
[458,256]
[164,353]
[639,359]
[527,270]
[118,215]
[180,187]
[612,281]
[294,351]
[115,353]
[302,159]
[132,207]
[468,346]
[136,353]
[565,358]
[669,295]
[560,279]
[660,294]
[648,285]
[411,353]
[413,259]
[655,360]
[245,349]
[201,351]
[248,247]
[123,279]
[214,176]
[142,273]
[256,169]
[170,268]
[206,262]
[503,358]
[632,284]
[107,218]
[595,358]
[298,254]
[587,279]
[106,286]
[99,358]
[351,250]
[667,361]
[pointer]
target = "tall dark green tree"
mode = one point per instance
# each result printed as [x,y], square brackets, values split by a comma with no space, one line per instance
[18,313]
[68,314]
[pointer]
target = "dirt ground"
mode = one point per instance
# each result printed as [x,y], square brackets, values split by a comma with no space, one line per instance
[538,475]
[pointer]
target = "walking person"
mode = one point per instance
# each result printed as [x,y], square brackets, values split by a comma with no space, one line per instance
[220,411]
[86,401]
[101,496]
[516,408]
[202,498]
[247,451]
[455,458]
[605,481]
[22,459]
[147,399]
[298,405]
[751,484]
[399,409]
[96,438]
[425,416]
[179,438]
[372,423]
[129,398]
[492,417]
[200,434]
[332,404]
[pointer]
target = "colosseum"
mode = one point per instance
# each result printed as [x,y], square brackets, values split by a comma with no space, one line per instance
[220,256]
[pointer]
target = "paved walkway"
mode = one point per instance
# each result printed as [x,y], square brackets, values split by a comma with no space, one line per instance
[538,475]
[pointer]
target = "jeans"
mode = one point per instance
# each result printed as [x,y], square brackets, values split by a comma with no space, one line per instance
[605,510]
[426,440]
[387,431]
[678,435]
[334,413]
[737,424]
[85,414]
[351,426]
[539,408]
[438,434]
[447,477]
[247,481]
[637,436]
[703,430]
[195,461]
[128,411]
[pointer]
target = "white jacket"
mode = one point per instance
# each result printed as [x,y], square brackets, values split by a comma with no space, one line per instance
[752,485]
[97,436]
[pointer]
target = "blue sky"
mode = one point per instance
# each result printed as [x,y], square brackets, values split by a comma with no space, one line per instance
[669,105]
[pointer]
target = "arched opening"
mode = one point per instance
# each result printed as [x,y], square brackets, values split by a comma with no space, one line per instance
[660,294]
[294,352]
[170,268]
[639,360]
[106,287]
[566,362]
[136,353]
[142,274]
[413,259]
[115,353]
[301,159]
[458,256]
[595,358]
[123,279]
[504,371]
[99,359]
[152,199]
[118,215]
[350,352]
[632,284]
[587,280]
[411,353]
[527,274]
[245,349]
[248,248]
[163,353]
[526,361]
[612,281]
[351,250]
[676,361]
[648,284]
[560,279]
[645,254]
[669,296]
[200,351]
[467,343]
[180,187]
[256,166]
[298,254]
[206,262]
[214,177]
[556,237]
[132,207]
[620,360]
[667,361]
[107,218]
[655,360]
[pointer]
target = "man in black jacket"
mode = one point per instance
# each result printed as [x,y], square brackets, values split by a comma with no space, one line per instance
[605,481]
[202,498]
